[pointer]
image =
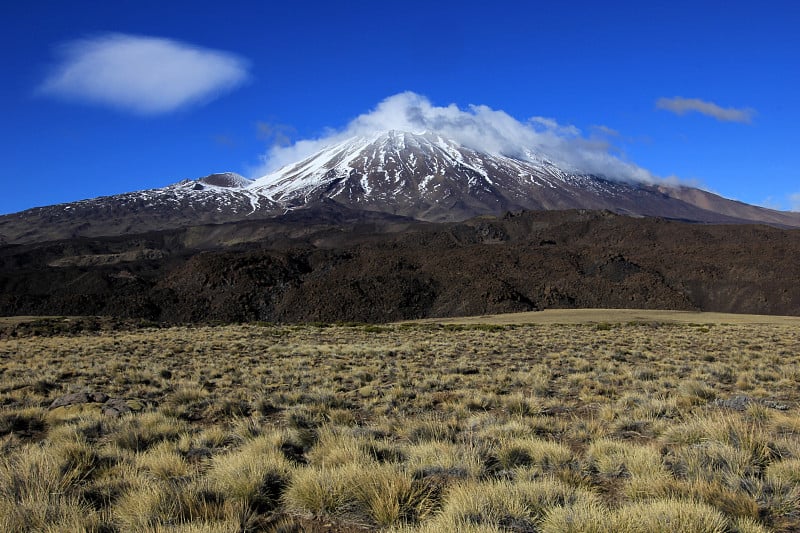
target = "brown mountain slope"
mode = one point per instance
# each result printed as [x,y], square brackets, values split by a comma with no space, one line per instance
[379,269]
[731,208]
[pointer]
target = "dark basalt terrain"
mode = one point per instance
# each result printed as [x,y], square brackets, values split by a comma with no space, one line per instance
[332,264]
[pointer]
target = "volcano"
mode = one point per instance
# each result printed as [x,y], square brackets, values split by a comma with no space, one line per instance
[427,177]
[416,175]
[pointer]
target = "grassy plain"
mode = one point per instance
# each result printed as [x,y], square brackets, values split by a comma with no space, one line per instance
[611,423]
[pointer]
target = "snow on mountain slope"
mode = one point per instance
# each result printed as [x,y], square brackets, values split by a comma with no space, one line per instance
[429,177]
[406,163]
[213,199]
[224,193]
[425,176]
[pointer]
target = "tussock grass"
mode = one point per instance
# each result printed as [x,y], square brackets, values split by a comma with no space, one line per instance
[321,491]
[381,495]
[581,517]
[784,471]
[163,461]
[36,495]
[447,460]
[509,504]
[629,426]
[254,475]
[138,432]
[541,455]
[389,495]
[666,516]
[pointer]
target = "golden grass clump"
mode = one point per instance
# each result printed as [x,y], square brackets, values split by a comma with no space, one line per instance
[641,468]
[669,515]
[381,495]
[321,491]
[139,432]
[542,456]
[255,474]
[447,460]
[36,493]
[163,461]
[581,517]
[521,505]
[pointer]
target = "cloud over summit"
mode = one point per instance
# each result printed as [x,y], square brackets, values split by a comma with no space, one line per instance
[143,75]
[478,127]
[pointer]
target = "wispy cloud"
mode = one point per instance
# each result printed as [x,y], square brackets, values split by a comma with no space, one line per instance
[794,201]
[605,130]
[681,106]
[143,75]
[478,127]
[275,133]
[223,139]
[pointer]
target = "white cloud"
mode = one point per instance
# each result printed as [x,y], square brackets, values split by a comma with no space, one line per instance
[144,75]
[552,124]
[478,127]
[681,106]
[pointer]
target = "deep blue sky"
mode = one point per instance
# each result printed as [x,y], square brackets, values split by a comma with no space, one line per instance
[317,65]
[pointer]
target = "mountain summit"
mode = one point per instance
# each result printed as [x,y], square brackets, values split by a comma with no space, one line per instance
[428,177]
[421,175]
[417,175]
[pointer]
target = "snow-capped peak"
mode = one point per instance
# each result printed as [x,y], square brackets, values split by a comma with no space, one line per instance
[394,162]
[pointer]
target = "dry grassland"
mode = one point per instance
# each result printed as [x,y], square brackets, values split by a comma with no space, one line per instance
[606,316]
[630,427]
